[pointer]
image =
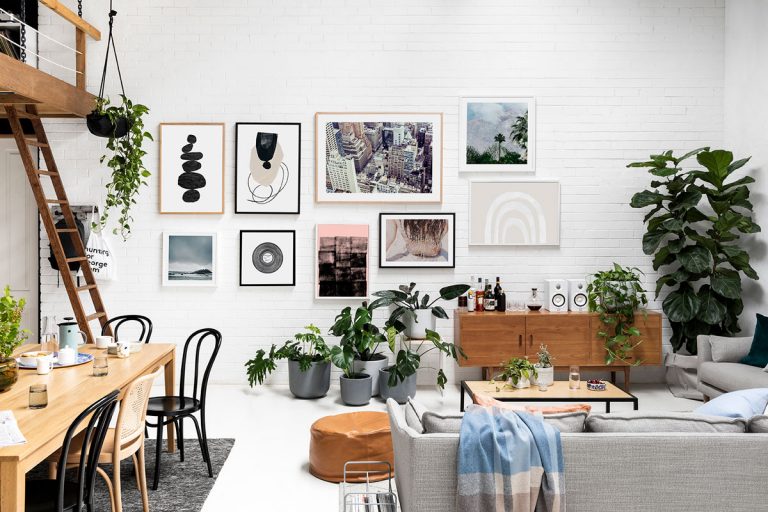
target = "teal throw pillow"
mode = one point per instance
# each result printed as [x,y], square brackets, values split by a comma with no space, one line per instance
[758,353]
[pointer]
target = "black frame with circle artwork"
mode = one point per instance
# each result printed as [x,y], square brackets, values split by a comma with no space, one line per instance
[277,248]
[287,143]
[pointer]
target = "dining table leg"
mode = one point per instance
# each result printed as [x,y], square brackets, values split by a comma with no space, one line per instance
[170,383]
[12,486]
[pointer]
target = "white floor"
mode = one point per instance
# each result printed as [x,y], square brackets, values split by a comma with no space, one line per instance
[267,469]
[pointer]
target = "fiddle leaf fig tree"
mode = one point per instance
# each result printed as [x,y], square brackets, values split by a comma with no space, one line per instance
[696,220]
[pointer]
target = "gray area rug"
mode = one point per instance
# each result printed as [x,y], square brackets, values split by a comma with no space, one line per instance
[184,486]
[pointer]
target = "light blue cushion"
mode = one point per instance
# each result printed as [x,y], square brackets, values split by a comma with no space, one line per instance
[737,404]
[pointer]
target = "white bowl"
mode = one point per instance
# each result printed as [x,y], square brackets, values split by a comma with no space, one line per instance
[30,358]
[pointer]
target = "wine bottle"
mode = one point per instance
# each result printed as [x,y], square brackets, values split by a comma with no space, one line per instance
[471,298]
[489,301]
[479,294]
[501,297]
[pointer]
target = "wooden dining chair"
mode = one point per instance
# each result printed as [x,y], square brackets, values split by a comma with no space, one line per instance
[175,409]
[143,322]
[125,440]
[61,494]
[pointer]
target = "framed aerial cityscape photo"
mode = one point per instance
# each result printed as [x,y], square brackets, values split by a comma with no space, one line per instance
[417,240]
[267,258]
[497,135]
[267,167]
[191,167]
[341,264]
[379,157]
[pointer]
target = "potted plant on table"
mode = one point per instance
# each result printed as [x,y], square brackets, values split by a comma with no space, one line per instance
[11,338]
[355,386]
[309,369]
[545,372]
[616,295]
[364,339]
[417,314]
[519,372]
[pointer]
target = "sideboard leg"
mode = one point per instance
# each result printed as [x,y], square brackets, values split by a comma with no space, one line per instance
[627,369]
[613,377]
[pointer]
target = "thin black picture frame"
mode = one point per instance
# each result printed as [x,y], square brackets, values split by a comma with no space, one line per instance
[240,266]
[298,173]
[382,246]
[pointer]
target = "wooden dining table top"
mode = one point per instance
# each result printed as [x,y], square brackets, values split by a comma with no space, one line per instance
[70,391]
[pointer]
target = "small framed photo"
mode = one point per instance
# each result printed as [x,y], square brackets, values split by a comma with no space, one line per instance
[497,135]
[268,258]
[191,167]
[267,167]
[417,240]
[189,259]
[341,268]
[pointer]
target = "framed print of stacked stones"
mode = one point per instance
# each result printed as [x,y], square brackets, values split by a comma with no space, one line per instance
[191,167]
[268,258]
[267,167]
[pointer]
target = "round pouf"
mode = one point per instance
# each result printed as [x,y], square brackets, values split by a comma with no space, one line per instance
[362,436]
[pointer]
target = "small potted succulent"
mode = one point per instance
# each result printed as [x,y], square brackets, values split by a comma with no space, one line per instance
[355,387]
[545,372]
[519,372]
[11,337]
[309,369]
[416,314]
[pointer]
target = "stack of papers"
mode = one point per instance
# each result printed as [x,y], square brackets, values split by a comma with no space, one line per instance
[10,434]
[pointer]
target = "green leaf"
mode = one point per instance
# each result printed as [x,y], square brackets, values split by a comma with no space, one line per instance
[664,171]
[727,283]
[692,153]
[675,225]
[646,198]
[711,311]
[682,305]
[453,291]
[695,259]
[652,240]
[676,245]
[738,164]
[686,200]
[439,312]
[716,162]
[746,180]
[663,257]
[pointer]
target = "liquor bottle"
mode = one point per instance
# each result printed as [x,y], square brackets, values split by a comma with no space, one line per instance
[501,297]
[479,293]
[471,298]
[489,301]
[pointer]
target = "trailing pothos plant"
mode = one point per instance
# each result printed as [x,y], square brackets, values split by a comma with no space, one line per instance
[694,230]
[305,348]
[125,159]
[617,295]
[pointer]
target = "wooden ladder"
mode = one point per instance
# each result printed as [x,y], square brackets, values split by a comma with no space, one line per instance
[15,113]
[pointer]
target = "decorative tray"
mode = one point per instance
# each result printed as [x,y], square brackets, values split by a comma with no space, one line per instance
[81,359]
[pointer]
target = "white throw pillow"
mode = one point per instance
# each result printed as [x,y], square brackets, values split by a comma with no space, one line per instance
[729,350]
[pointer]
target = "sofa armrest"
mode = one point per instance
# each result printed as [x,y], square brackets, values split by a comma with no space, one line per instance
[703,348]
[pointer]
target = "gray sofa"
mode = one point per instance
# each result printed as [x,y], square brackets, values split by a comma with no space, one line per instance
[654,472]
[719,368]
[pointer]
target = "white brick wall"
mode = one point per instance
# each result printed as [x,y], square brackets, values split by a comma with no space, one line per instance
[614,81]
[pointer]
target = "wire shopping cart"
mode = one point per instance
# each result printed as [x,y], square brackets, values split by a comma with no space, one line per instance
[367,496]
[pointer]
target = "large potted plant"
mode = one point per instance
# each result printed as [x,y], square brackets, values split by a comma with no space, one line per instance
[417,314]
[11,338]
[309,369]
[616,295]
[398,381]
[364,338]
[519,372]
[355,386]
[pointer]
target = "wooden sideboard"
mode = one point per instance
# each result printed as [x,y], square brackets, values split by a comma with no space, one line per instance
[489,338]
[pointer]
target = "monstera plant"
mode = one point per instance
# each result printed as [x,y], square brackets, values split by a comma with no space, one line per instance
[696,221]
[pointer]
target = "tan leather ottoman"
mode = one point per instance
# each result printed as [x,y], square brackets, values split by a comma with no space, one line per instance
[363,436]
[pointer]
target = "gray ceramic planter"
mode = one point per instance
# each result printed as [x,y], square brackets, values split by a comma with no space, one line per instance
[400,392]
[313,383]
[356,391]
[372,368]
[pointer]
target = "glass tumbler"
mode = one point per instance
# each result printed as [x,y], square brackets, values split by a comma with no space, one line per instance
[574,378]
[100,366]
[38,396]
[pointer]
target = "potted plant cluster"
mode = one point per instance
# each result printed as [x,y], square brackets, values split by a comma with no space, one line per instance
[11,338]
[545,372]
[309,369]
[616,295]
[519,372]
[417,314]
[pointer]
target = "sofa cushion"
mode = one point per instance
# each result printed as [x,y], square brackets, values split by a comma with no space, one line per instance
[744,403]
[758,353]
[639,421]
[435,423]
[729,350]
[758,424]
[413,414]
[732,376]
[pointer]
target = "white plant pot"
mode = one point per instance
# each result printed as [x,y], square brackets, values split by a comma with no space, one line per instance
[417,329]
[372,368]
[522,383]
[545,376]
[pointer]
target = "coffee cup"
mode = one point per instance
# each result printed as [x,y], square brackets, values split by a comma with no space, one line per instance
[44,365]
[103,341]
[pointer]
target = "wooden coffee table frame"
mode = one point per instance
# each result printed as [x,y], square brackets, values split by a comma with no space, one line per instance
[612,394]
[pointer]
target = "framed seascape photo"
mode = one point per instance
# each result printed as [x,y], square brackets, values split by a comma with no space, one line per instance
[268,258]
[267,167]
[514,212]
[191,167]
[379,157]
[497,135]
[189,259]
[417,240]
[342,261]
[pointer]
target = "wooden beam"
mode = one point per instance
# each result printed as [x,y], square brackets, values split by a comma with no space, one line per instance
[40,87]
[80,58]
[72,17]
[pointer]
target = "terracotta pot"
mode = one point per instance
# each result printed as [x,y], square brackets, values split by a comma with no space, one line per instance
[9,373]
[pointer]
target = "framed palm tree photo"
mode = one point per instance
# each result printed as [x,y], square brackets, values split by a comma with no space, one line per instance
[497,135]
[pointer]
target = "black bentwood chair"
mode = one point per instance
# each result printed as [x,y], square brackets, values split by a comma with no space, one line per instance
[143,322]
[61,494]
[175,409]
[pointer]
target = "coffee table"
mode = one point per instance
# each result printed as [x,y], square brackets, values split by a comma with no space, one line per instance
[557,392]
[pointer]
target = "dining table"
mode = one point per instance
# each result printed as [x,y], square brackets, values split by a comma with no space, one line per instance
[70,390]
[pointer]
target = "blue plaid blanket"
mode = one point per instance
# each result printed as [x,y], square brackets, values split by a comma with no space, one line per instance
[509,462]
